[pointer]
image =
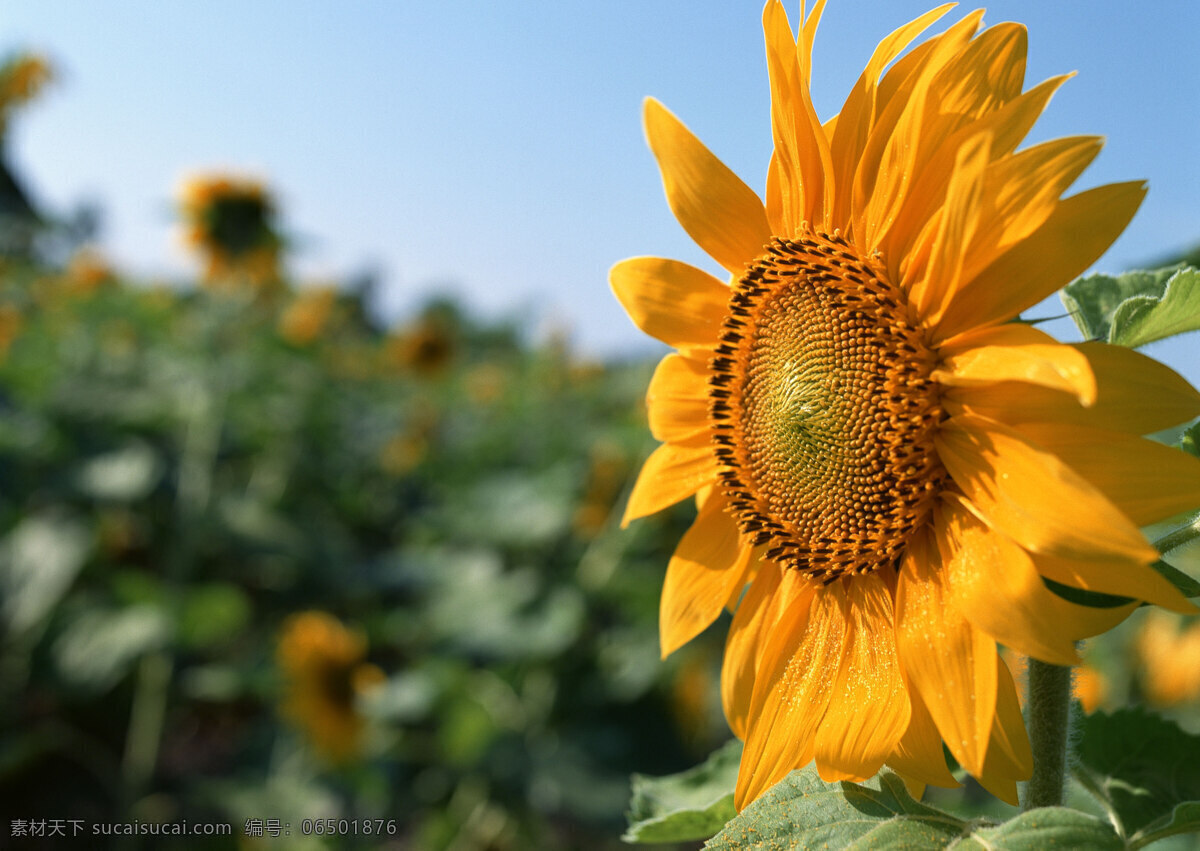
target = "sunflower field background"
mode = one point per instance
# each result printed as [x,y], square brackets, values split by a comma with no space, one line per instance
[267,562]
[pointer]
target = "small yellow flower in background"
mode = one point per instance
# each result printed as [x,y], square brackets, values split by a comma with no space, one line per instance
[425,347]
[886,459]
[607,473]
[230,222]
[88,271]
[10,327]
[21,79]
[322,663]
[1091,688]
[1168,651]
[306,317]
[486,383]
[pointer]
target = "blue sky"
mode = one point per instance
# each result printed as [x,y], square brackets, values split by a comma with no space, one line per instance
[495,150]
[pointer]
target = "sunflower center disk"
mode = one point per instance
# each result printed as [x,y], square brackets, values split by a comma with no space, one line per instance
[823,411]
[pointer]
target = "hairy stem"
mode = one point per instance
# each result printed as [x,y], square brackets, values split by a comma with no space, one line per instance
[1047,708]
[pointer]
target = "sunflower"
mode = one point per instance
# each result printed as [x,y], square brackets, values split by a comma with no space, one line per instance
[323,664]
[230,222]
[886,466]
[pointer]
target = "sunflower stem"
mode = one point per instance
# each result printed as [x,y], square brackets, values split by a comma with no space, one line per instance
[1048,709]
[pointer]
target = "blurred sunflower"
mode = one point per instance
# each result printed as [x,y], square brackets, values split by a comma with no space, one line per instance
[308,314]
[21,79]
[10,326]
[889,461]
[1168,652]
[325,674]
[230,222]
[426,347]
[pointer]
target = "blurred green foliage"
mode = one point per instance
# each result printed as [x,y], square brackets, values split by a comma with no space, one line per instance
[182,470]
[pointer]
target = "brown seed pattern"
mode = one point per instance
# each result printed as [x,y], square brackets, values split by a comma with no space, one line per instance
[823,410]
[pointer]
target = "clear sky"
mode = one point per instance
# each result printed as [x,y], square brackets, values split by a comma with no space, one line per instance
[494,149]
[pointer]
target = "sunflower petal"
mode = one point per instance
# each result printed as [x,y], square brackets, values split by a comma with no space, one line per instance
[1148,481]
[805,169]
[959,218]
[854,121]
[868,707]
[1134,394]
[671,301]
[993,582]
[720,212]
[1009,757]
[1021,191]
[672,473]
[753,623]
[918,755]
[1031,496]
[708,563]
[1015,352]
[799,667]
[1072,238]
[951,664]
[677,399]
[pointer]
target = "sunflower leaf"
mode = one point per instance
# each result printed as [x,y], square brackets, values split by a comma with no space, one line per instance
[1190,442]
[1093,301]
[692,804]
[803,811]
[1048,827]
[1144,769]
[1144,319]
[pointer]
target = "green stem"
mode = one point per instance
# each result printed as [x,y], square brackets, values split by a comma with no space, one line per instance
[1047,709]
[1181,536]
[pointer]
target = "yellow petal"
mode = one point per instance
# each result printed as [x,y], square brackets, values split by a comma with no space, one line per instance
[804,166]
[995,585]
[677,399]
[1134,394]
[1072,238]
[850,134]
[959,218]
[753,622]
[800,665]
[1008,125]
[887,167]
[949,662]
[1016,352]
[708,563]
[672,473]
[918,755]
[1033,497]
[868,707]
[1009,757]
[720,212]
[1148,481]
[979,80]
[671,301]
[1021,191]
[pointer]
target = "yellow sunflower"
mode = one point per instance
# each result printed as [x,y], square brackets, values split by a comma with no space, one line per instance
[230,222]
[325,675]
[886,460]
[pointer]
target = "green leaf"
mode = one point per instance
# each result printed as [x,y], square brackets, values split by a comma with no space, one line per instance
[1092,301]
[1048,827]
[1141,767]
[1190,442]
[1185,818]
[1147,318]
[693,804]
[802,811]
[213,614]
[39,561]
